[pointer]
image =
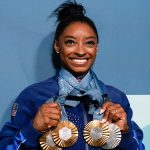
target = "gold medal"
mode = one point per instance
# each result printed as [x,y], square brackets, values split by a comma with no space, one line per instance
[47,143]
[65,134]
[95,133]
[114,137]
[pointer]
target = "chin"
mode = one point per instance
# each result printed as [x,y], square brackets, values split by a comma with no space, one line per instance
[79,72]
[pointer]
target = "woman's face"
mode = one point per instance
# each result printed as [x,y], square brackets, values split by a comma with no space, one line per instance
[77,47]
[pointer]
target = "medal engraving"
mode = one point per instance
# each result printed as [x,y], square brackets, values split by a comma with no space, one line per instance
[95,133]
[47,143]
[50,141]
[65,134]
[114,138]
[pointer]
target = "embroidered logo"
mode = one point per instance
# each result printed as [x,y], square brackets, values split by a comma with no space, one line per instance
[14,109]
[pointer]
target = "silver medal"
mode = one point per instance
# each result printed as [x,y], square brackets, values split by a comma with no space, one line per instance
[47,143]
[114,137]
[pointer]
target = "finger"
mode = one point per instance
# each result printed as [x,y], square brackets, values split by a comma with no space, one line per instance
[109,120]
[55,117]
[111,109]
[46,108]
[51,111]
[53,104]
[107,109]
[120,116]
[116,110]
[107,117]
[116,117]
[52,123]
[50,105]
[123,125]
[105,106]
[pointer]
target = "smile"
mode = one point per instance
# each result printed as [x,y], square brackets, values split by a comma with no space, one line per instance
[79,61]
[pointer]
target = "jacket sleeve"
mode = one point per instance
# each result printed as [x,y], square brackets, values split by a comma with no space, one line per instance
[138,135]
[19,133]
[133,138]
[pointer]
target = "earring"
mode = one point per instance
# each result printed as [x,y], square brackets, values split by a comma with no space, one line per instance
[57,52]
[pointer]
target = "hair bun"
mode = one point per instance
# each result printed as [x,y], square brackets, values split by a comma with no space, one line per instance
[69,9]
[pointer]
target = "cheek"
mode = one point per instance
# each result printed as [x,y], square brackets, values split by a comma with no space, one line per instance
[64,55]
[66,51]
[93,52]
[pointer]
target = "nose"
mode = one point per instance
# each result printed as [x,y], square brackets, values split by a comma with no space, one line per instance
[81,51]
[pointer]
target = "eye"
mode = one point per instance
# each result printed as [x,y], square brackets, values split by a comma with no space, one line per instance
[90,43]
[69,42]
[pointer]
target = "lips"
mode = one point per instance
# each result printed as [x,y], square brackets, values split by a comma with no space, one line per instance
[80,61]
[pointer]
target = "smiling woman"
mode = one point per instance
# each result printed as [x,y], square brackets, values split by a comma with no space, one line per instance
[72,110]
[77,47]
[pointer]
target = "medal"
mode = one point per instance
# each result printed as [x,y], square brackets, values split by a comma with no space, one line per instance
[47,142]
[114,137]
[65,134]
[95,133]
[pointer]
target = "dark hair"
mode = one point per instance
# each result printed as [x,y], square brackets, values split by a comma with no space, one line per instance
[69,12]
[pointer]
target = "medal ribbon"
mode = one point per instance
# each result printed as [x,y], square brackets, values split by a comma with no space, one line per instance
[88,87]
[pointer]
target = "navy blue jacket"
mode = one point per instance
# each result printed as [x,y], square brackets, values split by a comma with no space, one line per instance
[19,134]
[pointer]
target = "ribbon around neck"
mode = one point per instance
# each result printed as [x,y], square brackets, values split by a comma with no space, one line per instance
[72,92]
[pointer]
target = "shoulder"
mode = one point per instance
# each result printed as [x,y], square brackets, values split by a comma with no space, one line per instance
[113,91]
[49,84]
[40,91]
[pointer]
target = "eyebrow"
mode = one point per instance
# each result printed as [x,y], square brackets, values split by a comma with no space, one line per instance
[89,37]
[69,36]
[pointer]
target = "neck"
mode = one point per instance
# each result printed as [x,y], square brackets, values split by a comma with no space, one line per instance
[78,75]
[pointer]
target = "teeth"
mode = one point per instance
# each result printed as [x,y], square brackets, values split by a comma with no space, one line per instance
[79,60]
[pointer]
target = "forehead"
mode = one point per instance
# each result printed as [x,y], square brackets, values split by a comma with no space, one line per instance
[78,29]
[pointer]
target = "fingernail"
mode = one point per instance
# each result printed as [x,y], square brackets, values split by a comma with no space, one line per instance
[107,123]
[61,112]
[103,120]
[101,111]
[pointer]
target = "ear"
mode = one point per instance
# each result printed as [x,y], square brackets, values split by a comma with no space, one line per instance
[56,46]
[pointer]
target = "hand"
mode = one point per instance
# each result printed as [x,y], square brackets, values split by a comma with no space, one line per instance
[48,116]
[114,113]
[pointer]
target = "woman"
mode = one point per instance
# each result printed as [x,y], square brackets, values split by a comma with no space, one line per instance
[72,94]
